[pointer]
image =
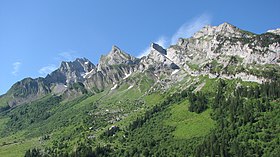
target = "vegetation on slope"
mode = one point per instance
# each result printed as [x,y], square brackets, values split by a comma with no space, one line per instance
[224,118]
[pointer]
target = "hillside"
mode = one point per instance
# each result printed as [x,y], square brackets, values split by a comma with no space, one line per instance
[216,93]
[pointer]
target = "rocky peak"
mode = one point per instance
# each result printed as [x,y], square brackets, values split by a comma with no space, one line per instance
[275,31]
[70,72]
[115,57]
[224,29]
[115,50]
[80,65]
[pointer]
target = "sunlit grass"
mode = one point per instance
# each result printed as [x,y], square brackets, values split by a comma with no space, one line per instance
[189,124]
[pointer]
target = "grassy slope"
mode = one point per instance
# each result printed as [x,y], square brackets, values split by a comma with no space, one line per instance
[69,116]
[174,128]
[18,149]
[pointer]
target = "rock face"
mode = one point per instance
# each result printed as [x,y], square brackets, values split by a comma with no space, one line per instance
[223,41]
[217,51]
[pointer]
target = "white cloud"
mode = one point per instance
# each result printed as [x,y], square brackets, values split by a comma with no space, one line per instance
[162,41]
[47,69]
[16,67]
[144,52]
[189,28]
[185,31]
[68,55]
[62,56]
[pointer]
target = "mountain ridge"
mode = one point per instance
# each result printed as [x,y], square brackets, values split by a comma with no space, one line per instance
[195,56]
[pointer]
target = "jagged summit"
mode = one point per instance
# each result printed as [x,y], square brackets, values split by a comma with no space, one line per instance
[226,25]
[115,49]
[69,72]
[114,57]
[80,64]
[224,29]
[82,60]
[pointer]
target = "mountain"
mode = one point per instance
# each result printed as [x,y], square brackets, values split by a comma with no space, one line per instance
[223,51]
[179,98]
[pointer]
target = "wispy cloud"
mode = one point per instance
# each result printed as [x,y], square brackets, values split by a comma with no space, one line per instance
[47,69]
[16,67]
[62,56]
[189,28]
[68,55]
[185,31]
[162,41]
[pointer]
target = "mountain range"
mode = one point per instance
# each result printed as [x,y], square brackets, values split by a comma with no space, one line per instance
[113,94]
[223,51]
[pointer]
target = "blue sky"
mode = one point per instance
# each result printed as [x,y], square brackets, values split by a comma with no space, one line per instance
[35,36]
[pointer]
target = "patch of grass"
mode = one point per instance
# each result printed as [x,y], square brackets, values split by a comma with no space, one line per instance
[189,124]
[18,149]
